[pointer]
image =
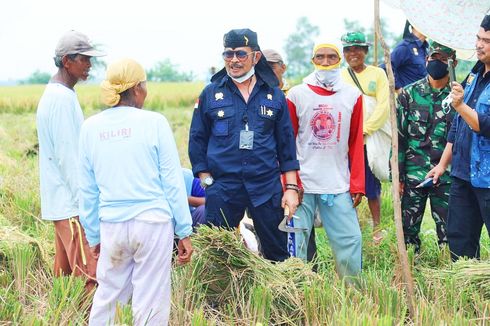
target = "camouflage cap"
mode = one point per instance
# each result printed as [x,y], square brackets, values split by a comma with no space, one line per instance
[439,48]
[354,39]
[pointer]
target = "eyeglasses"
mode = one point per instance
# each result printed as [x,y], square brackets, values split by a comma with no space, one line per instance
[241,55]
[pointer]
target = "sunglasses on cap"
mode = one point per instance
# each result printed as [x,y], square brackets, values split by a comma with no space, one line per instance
[241,55]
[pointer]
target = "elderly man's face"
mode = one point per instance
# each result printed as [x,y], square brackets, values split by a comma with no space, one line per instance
[483,46]
[326,57]
[79,67]
[239,61]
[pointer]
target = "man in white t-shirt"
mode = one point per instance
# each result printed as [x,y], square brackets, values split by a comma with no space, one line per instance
[59,118]
[327,119]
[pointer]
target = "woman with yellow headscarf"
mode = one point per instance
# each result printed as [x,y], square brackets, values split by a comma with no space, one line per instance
[132,200]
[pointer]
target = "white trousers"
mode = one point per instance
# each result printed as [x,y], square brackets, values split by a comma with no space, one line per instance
[135,261]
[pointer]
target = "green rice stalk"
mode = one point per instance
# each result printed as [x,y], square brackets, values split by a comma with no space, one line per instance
[68,301]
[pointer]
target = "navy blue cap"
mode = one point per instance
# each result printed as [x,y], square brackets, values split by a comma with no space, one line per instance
[245,37]
[485,23]
[239,38]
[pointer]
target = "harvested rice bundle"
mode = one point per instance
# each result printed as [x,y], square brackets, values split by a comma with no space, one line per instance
[12,238]
[468,273]
[231,267]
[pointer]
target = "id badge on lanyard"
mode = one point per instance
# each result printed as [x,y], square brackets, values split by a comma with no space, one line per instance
[246,138]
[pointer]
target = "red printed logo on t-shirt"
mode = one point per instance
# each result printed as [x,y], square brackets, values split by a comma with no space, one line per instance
[322,125]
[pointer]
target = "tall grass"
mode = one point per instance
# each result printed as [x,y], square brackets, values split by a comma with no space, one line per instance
[203,294]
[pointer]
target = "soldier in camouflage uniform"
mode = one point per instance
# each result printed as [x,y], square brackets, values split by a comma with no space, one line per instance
[423,126]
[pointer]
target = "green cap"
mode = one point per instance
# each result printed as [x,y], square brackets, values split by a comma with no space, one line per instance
[439,48]
[354,39]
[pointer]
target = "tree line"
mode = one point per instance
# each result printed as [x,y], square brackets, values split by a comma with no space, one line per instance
[297,49]
[162,71]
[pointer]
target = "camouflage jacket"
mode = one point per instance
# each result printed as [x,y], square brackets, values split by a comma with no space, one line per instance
[422,131]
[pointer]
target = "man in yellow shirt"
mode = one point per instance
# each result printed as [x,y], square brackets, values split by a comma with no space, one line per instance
[373,83]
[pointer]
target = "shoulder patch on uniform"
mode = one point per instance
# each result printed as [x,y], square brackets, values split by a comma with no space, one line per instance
[196,105]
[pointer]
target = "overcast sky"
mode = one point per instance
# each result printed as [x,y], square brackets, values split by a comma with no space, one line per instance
[188,32]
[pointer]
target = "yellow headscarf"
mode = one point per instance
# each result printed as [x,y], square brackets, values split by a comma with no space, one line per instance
[120,76]
[330,46]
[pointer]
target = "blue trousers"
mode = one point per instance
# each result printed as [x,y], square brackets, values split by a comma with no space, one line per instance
[340,222]
[266,218]
[469,209]
[198,216]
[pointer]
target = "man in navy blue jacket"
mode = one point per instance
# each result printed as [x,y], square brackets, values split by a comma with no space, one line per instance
[241,140]
[408,58]
[469,148]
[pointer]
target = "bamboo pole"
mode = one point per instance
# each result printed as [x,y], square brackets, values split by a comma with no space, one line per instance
[376,27]
[402,251]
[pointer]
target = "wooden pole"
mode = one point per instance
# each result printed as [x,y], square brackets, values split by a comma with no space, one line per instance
[376,22]
[402,251]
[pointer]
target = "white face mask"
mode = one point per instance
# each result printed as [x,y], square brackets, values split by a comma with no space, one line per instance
[329,78]
[245,77]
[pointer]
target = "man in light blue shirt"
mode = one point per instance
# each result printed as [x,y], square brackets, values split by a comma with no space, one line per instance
[132,200]
[59,118]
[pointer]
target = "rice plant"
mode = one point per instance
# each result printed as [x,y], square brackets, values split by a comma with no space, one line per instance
[225,284]
[68,301]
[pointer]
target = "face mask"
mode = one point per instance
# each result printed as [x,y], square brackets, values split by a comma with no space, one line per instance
[329,78]
[437,69]
[245,77]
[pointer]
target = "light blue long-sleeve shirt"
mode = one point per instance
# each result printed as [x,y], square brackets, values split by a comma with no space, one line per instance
[129,164]
[58,120]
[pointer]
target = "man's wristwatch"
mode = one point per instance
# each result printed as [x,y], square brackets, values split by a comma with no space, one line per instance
[207,181]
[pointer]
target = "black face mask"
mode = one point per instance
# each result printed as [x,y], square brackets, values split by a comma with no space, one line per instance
[437,69]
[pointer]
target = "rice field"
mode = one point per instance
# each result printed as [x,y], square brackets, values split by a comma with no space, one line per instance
[225,284]
[23,99]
